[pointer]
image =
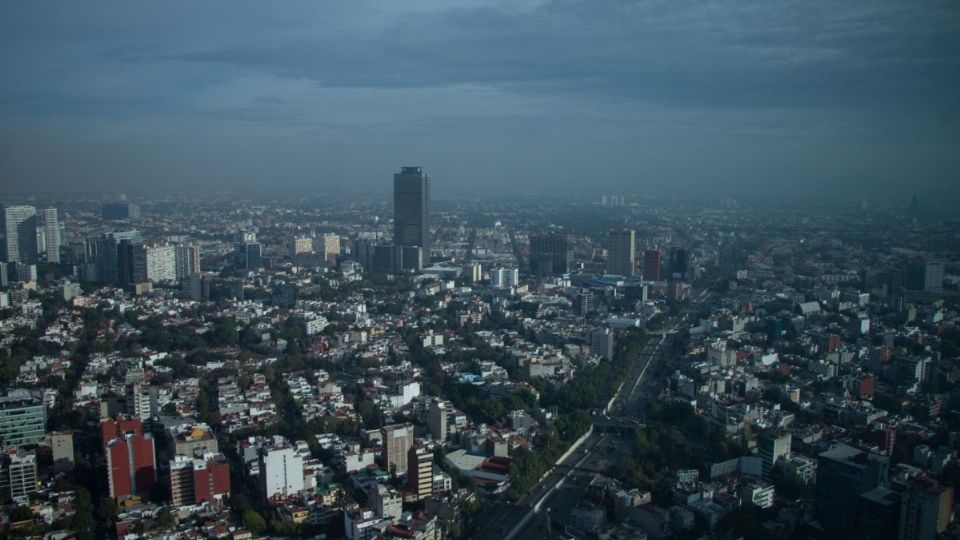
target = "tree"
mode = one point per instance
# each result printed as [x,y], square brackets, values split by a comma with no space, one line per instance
[107,509]
[254,521]
[225,332]
[165,519]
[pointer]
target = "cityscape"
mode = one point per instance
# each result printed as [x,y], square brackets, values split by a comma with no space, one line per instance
[526,270]
[612,368]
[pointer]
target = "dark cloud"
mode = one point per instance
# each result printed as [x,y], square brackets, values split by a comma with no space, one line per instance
[727,96]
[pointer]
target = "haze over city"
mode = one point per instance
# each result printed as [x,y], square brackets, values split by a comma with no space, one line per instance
[523,97]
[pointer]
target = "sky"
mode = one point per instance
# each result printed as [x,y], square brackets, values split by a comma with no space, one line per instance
[820,98]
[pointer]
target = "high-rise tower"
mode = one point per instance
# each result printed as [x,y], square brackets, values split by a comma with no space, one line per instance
[411,209]
[622,252]
[51,231]
[20,230]
[550,254]
[651,265]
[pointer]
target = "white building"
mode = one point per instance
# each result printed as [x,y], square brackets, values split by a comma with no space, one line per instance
[281,471]
[20,234]
[161,263]
[18,474]
[504,277]
[759,495]
[51,234]
[313,324]
[386,502]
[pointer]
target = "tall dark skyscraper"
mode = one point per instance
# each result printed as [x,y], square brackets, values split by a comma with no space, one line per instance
[622,252]
[679,263]
[131,263]
[411,209]
[843,474]
[651,265]
[549,254]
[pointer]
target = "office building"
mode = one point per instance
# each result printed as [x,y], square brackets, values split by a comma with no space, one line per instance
[584,302]
[773,446]
[549,254]
[18,474]
[438,418]
[925,276]
[926,509]
[397,440]
[504,278]
[199,480]
[193,286]
[23,419]
[119,210]
[601,341]
[161,263]
[187,260]
[24,272]
[131,264]
[622,252]
[249,255]
[651,265]
[106,253]
[679,263]
[843,474]
[473,272]
[331,249]
[281,472]
[20,234]
[879,517]
[411,209]
[302,245]
[51,235]
[420,472]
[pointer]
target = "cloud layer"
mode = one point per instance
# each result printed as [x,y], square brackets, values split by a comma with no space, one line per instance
[739,97]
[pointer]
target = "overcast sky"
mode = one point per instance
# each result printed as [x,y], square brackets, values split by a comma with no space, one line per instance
[768,97]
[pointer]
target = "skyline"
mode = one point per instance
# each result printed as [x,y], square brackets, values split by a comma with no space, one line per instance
[650,98]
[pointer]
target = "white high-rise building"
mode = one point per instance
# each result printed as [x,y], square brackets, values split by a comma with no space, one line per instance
[20,234]
[161,263]
[51,235]
[437,418]
[504,277]
[281,471]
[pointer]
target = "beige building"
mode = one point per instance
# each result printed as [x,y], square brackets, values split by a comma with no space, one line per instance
[397,440]
[194,441]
